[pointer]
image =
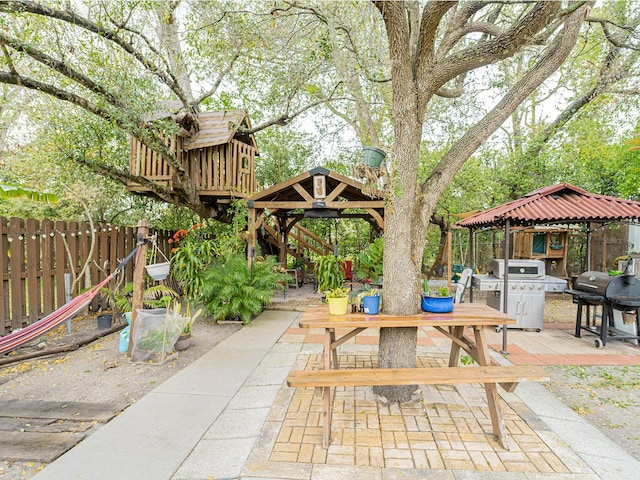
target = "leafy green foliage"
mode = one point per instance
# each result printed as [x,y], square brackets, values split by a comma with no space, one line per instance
[370,260]
[232,289]
[329,273]
[156,296]
[13,191]
[339,292]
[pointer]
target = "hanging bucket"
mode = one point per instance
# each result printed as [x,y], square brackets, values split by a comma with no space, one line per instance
[373,156]
[158,271]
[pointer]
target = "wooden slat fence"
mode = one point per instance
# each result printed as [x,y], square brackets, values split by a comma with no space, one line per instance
[35,256]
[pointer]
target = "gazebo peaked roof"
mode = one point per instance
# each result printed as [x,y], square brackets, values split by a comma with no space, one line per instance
[561,203]
[297,192]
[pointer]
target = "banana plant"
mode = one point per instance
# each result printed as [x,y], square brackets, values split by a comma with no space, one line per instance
[14,191]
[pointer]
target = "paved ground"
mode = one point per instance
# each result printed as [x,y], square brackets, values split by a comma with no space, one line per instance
[230,415]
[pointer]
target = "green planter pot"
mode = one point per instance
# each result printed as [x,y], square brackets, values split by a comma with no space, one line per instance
[373,156]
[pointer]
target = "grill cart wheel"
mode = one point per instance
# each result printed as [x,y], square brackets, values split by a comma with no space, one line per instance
[598,343]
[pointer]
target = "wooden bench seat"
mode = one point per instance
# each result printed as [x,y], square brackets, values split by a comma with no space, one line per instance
[508,376]
[420,376]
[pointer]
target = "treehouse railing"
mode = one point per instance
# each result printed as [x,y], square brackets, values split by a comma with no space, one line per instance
[221,170]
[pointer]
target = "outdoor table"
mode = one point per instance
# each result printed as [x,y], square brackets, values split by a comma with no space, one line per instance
[454,325]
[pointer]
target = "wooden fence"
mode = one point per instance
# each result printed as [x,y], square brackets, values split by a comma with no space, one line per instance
[36,255]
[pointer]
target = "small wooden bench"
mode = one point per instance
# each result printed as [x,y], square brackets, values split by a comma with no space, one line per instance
[508,376]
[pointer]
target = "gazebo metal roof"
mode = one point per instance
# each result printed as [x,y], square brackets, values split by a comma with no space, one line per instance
[561,203]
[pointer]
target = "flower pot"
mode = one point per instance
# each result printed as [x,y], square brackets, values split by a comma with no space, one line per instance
[105,321]
[373,156]
[158,271]
[338,306]
[371,305]
[436,304]
[183,342]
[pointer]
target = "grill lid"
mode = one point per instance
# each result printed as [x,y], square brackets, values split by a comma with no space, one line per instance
[624,291]
[593,283]
[518,267]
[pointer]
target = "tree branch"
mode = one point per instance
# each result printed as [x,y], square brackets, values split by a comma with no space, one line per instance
[70,17]
[548,63]
[498,48]
[60,67]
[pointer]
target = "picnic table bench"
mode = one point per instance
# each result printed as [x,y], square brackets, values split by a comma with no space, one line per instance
[452,325]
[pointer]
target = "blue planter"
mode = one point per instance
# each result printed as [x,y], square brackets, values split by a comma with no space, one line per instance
[436,304]
[371,305]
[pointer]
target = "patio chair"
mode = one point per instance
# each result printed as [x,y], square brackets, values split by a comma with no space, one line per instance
[463,285]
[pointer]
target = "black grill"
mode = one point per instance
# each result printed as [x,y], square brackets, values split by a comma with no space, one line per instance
[593,289]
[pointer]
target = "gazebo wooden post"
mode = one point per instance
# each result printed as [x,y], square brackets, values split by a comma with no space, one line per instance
[282,242]
[505,287]
[471,262]
[252,239]
[588,246]
[449,259]
[138,277]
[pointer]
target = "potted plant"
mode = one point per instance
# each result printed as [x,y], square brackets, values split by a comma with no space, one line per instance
[184,340]
[371,301]
[329,273]
[338,300]
[439,301]
[373,156]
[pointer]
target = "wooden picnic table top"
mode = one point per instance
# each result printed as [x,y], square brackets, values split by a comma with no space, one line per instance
[463,314]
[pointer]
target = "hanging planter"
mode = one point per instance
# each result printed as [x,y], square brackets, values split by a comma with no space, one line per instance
[158,271]
[373,156]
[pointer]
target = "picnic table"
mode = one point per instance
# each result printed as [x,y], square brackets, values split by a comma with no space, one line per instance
[466,317]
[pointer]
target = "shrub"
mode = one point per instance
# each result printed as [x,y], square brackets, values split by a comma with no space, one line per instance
[231,289]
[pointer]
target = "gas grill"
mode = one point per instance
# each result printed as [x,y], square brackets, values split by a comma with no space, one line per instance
[527,287]
[619,298]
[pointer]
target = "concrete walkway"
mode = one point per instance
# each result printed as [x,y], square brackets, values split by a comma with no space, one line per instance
[225,415]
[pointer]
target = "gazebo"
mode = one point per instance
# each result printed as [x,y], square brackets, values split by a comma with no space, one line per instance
[559,204]
[317,193]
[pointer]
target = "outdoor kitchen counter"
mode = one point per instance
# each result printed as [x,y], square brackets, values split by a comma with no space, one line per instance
[464,317]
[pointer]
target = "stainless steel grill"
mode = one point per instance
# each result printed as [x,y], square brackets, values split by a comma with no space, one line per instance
[527,284]
[619,299]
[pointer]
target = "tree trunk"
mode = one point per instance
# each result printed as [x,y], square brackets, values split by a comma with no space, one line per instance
[400,350]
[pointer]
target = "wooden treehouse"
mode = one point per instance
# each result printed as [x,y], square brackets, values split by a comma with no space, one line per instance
[219,159]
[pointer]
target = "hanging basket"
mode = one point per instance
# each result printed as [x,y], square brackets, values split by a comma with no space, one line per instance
[158,271]
[373,156]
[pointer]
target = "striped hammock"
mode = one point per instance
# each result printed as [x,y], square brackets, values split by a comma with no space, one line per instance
[66,312]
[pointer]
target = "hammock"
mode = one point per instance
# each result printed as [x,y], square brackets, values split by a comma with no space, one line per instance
[65,312]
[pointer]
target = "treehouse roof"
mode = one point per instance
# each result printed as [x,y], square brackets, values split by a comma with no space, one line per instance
[219,128]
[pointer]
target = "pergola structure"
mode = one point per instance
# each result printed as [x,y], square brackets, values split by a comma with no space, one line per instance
[318,193]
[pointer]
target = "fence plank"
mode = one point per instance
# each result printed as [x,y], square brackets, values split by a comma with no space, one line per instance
[4,275]
[16,271]
[33,266]
[47,281]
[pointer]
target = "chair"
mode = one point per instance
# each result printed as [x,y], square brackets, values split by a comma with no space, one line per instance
[463,285]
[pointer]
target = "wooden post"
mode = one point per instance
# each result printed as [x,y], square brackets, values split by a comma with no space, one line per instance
[252,239]
[138,277]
